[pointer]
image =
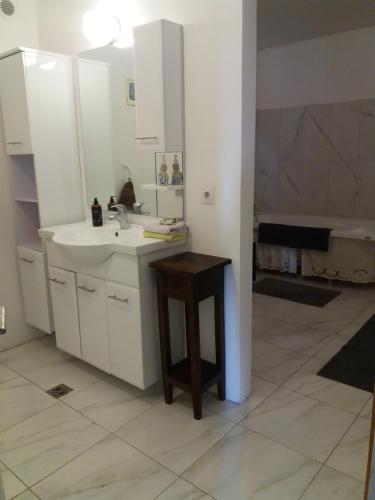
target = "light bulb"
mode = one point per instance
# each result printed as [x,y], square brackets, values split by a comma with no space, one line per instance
[125,39]
[101,28]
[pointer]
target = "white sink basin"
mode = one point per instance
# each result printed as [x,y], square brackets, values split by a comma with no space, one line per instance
[91,245]
[94,245]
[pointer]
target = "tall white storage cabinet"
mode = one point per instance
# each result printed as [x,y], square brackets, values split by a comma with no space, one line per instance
[38,108]
[158,63]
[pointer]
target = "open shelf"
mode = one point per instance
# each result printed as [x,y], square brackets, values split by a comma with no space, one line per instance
[180,375]
[24,182]
[158,187]
[28,224]
[26,200]
[32,245]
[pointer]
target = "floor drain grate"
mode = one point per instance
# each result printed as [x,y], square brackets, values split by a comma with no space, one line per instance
[59,390]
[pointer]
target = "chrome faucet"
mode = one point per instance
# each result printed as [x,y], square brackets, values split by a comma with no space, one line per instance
[121,215]
[137,208]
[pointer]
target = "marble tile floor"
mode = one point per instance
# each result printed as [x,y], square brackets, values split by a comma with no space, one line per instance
[299,436]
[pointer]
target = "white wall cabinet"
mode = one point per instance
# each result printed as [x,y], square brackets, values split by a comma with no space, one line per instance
[93,321]
[158,64]
[65,308]
[100,322]
[39,116]
[14,105]
[38,105]
[35,295]
[115,323]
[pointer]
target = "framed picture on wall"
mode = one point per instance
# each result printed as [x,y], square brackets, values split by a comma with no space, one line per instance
[169,168]
[130,92]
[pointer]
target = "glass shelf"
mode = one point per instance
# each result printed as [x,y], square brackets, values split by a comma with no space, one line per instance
[159,187]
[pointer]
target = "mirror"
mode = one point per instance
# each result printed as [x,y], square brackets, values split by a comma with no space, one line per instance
[113,163]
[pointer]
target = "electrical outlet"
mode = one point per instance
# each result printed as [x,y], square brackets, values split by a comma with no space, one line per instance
[208,195]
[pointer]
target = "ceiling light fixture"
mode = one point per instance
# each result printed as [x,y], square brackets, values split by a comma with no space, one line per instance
[112,22]
[101,28]
[125,39]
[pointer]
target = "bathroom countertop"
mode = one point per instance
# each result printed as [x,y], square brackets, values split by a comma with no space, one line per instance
[128,241]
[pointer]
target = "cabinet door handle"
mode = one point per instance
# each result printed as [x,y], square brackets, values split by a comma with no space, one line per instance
[14,143]
[55,280]
[3,324]
[29,261]
[119,299]
[85,289]
[143,138]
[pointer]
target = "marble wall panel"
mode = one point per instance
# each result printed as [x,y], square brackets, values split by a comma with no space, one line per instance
[266,184]
[342,188]
[367,131]
[268,135]
[318,132]
[301,187]
[317,159]
[292,133]
[365,200]
[345,130]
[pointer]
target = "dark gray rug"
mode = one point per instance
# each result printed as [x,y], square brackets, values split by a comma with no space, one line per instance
[354,364]
[303,294]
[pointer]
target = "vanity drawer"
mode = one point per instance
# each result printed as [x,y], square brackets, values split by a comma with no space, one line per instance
[34,284]
[119,268]
[65,310]
[176,286]
[93,321]
[125,333]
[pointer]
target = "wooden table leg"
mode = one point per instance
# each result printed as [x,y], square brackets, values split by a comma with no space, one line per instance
[165,341]
[254,261]
[371,453]
[192,327]
[220,342]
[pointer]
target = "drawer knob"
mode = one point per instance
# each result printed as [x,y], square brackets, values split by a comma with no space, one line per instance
[29,261]
[119,299]
[85,289]
[14,143]
[55,280]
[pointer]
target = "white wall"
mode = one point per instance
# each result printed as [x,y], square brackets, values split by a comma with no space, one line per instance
[214,157]
[20,30]
[336,68]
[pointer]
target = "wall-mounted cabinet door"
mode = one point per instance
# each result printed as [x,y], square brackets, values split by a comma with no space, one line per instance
[34,286]
[65,310]
[125,333]
[14,105]
[158,64]
[93,321]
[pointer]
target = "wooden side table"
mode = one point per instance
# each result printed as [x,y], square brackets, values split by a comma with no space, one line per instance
[191,278]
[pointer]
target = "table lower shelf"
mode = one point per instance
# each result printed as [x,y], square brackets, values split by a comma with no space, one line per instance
[180,375]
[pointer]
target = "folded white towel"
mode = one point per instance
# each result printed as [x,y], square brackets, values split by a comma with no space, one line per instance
[164,229]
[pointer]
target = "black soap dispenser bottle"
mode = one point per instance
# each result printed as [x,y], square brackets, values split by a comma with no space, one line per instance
[112,201]
[96,213]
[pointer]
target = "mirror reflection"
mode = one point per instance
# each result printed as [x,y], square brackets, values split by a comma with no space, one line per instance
[114,166]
